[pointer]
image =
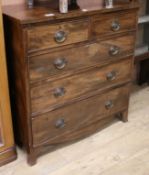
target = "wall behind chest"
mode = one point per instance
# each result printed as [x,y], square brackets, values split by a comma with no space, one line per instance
[8,2]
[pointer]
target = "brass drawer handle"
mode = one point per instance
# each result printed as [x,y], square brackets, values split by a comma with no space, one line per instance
[109,104]
[115,26]
[60,36]
[114,50]
[60,63]
[60,123]
[111,75]
[58,92]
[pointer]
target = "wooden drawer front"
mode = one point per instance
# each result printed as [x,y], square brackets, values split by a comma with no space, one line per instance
[113,23]
[56,93]
[70,60]
[49,36]
[56,126]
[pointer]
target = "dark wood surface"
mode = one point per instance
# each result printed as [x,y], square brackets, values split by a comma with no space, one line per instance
[76,65]
[43,66]
[42,37]
[78,115]
[25,15]
[18,81]
[126,20]
[78,86]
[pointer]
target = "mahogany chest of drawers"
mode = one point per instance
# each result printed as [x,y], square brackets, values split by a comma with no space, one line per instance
[70,74]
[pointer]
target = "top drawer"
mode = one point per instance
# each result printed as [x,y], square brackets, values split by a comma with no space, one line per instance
[111,23]
[54,35]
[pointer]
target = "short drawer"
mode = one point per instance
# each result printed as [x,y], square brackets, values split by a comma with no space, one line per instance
[70,60]
[112,23]
[48,95]
[65,124]
[54,35]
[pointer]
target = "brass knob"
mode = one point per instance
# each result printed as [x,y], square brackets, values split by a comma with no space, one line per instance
[58,92]
[111,75]
[60,123]
[114,50]
[115,26]
[60,36]
[60,63]
[109,104]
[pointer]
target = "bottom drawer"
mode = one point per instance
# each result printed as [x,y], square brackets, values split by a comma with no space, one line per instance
[58,126]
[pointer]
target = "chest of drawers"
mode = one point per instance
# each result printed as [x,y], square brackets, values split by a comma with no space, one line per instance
[70,74]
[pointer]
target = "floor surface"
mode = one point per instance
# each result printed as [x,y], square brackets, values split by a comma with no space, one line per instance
[120,149]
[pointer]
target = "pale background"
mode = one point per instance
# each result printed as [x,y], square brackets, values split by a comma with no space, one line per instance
[7,2]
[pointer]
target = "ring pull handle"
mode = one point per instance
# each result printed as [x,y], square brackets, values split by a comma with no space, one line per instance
[58,92]
[60,63]
[60,36]
[115,26]
[109,104]
[60,123]
[114,50]
[111,75]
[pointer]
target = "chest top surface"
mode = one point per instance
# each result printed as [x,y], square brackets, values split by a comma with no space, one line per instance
[50,12]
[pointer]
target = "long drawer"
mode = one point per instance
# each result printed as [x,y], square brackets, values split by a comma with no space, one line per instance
[113,23]
[45,96]
[60,125]
[55,35]
[70,60]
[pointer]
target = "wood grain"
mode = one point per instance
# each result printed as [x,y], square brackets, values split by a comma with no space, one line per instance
[77,116]
[126,20]
[32,16]
[38,89]
[81,57]
[42,37]
[18,76]
[78,86]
